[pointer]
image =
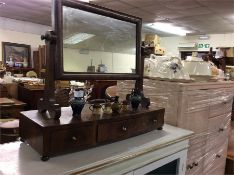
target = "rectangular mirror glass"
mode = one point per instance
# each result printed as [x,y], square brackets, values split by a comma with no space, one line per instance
[97,43]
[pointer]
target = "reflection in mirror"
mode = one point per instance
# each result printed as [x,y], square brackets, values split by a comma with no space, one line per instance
[96,43]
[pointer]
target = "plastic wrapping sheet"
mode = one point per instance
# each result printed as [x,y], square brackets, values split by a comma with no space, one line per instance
[217,135]
[220,96]
[197,146]
[194,101]
[196,167]
[231,141]
[215,158]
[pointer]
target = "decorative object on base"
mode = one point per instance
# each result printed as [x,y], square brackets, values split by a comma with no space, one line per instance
[116,106]
[107,108]
[77,102]
[125,105]
[145,102]
[96,109]
[135,99]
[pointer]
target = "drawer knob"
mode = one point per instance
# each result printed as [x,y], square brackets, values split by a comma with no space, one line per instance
[74,138]
[124,128]
[221,129]
[190,167]
[218,155]
[195,163]
[155,121]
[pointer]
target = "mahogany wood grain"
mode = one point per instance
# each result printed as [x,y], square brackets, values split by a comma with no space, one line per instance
[51,137]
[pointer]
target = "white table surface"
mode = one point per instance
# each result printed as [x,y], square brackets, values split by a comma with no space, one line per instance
[17,158]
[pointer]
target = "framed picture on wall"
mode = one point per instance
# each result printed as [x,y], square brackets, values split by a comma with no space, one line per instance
[16,55]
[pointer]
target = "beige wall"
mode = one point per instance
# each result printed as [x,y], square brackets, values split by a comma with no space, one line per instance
[19,37]
[21,32]
[215,40]
[115,62]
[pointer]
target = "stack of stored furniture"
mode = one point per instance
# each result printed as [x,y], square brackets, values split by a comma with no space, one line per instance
[9,116]
[204,108]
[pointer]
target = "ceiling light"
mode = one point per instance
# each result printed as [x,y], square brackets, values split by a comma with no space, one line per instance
[2,4]
[204,37]
[84,0]
[168,28]
[77,38]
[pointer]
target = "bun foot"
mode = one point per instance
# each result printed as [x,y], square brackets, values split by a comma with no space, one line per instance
[160,128]
[45,158]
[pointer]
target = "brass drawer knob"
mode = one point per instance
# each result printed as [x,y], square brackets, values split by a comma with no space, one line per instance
[155,121]
[190,167]
[218,155]
[221,129]
[124,128]
[74,138]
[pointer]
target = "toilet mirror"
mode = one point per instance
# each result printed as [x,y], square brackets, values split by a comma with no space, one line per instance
[95,43]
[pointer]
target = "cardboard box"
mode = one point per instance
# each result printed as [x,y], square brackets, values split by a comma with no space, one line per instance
[152,40]
[159,50]
[230,52]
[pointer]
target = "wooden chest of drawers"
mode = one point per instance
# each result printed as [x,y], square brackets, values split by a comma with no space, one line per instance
[204,108]
[12,110]
[53,137]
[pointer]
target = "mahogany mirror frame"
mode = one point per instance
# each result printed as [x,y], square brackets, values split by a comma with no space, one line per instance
[57,24]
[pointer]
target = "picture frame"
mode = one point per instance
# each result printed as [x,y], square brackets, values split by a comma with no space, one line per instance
[16,55]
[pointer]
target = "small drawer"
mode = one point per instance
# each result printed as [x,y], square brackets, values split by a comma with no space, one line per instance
[219,123]
[216,139]
[72,139]
[197,146]
[155,121]
[220,108]
[116,130]
[195,167]
[220,102]
[218,169]
[215,158]
[10,113]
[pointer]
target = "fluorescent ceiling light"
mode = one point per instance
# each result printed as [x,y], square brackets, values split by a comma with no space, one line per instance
[169,28]
[77,38]
[204,37]
[84,0]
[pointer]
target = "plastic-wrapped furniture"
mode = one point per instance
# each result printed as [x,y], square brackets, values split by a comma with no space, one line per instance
[204,108]
[230,154]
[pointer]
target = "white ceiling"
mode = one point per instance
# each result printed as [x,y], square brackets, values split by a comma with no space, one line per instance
[199,16]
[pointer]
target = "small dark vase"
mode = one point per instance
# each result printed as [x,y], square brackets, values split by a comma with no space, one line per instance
[135,99]
[77,104]
[116,106]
